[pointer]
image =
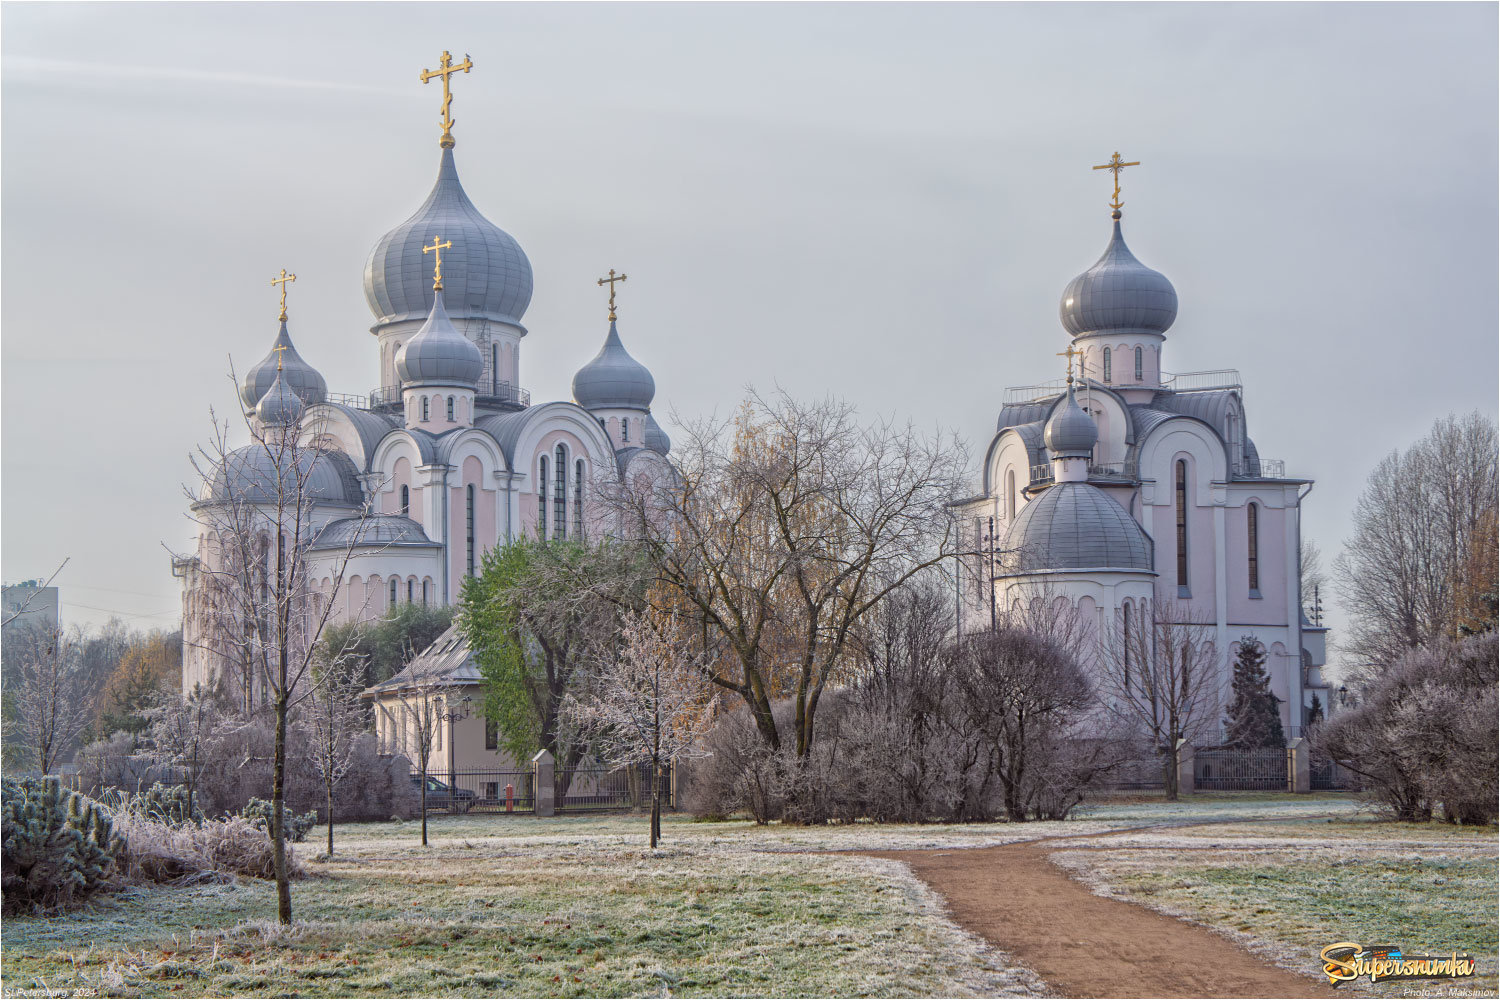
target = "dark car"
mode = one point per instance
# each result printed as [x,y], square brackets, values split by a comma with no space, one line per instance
[443,796]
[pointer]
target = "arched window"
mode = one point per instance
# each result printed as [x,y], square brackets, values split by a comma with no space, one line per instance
[406,499]
[1140,369]
[1010,494]
[494,366]
[469,525]
[1252,538]
[1126,640]
[1108,367]
[393,594]
[541,498]
[625,429]
[560,497]
[1182,531]
[450,409]
[578,500]
[424,593]
[425,413]
[411,591]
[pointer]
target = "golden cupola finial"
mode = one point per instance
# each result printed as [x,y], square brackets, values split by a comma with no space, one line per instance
[1114,166]
[610,281]
[436,250]
[446,68]
[282,280]
[1069,354]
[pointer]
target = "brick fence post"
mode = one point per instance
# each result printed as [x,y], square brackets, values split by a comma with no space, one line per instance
[543,784]
[1299,766]
[1184,767]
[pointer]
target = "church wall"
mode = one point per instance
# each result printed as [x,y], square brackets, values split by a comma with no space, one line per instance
[1270,607]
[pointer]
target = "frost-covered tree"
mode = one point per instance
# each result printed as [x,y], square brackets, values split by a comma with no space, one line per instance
[1252,720]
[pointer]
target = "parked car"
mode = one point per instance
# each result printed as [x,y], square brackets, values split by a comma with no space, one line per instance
[443,796]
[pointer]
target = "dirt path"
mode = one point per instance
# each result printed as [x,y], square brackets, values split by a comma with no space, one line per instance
[1085,945]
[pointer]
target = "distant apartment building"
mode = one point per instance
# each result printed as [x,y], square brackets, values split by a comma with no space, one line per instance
[27,603]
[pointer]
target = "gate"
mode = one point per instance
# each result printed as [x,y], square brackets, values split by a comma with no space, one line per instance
[485,791]
[1223,769]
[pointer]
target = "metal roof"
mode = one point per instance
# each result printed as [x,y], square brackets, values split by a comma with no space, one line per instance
[1075,526]
[301,376]
[378,531]
[439,354]
[1118,294]
[613,378]
[251,474]
[447,661]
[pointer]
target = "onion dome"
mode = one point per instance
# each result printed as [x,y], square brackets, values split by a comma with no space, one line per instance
[655,438]
[280,406]
[302,377]
[252,474]
[1118,294]
[439,354]
[614,380]
[1070,433]
[1076,526]
[486,275]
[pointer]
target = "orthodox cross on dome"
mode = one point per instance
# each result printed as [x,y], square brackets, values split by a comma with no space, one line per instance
[610,281]
[1114,166]
[282,280]
[1069,353]
[437,249]
[446,68]
[279,350]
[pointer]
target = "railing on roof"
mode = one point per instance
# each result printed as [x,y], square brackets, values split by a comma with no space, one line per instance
[1224,378]
[492,394]
[1128,471]
[1270,468]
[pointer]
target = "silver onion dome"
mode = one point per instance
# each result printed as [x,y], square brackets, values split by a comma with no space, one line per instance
[1118,294]
[280,406]
[613,379]
[302,377]
[439,354]
[485,273]
[257,474]
[1075,526]
[1070,433]
[655,438]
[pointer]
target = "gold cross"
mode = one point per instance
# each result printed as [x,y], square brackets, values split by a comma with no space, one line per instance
[437,261]
[277,350]
[611,282]
[282,280]
[1069,353]
[446,68]
[1114,166]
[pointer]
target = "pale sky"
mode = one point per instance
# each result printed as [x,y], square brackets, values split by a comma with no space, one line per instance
[879,202]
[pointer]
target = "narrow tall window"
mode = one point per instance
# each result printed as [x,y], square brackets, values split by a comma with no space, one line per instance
[578,500]
[1108,366]
[491,735]
[560,499]
[1140,370]
[393,593]
[625,429]
[424,593]
[1125,631]
[541,498]
[1252,531]
[450,409]
[469,525]
[406,499]
[1010,494]
[411,591]
[1182,532]
[494,366]
[425,412]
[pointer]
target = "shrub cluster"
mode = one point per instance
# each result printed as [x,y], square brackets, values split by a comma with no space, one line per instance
[156,851]
[60,847]
[1423,736]
[259,812]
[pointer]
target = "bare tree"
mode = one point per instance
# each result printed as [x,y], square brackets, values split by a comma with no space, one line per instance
[1413,527]
[181,730]
[252,599]
[653,700]
[334,718]
[420,691]
[52,709]
[786,527]
[1161,674]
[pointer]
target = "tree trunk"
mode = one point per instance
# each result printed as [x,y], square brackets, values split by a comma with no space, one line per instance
[330,819]
[278,805]
[655,805]
[424,803]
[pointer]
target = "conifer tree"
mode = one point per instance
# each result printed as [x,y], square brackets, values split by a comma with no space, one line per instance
[1253,721]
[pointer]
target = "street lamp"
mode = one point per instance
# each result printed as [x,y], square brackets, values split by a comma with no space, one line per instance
[1343,695]
[452,716]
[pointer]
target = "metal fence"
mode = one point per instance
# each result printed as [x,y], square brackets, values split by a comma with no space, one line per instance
[1328,775]
[577,789]
[1218,769]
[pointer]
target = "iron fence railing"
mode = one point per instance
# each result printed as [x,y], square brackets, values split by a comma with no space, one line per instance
[490,393]
[1244,770]
[590,788]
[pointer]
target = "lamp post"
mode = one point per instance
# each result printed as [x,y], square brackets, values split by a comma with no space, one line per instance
[1343,695]
[452,716]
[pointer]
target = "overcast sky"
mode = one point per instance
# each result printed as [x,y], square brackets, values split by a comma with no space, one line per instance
[877,202]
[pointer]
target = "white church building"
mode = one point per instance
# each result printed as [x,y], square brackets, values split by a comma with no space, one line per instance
[450,452]
[1133,486]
